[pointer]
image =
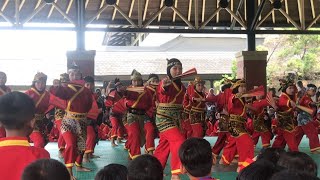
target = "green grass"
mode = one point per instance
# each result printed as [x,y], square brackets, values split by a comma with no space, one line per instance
[118,155]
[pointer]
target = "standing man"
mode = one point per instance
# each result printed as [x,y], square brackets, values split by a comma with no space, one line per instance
[74,123]
[41,99]
[3,90]
[170,93]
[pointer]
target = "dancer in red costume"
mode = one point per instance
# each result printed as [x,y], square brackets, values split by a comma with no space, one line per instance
[138,101]
[41,99]
[285,115]
[74,123]
[306,125]
[185,123]
[240,141]
[116,119]
[3,90]
[198,108]
[170,93]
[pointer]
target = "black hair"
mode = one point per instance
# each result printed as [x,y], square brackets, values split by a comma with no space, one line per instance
[259,170]
[88,79]
[112,172]
[312,86]
[225,86]
[172,62]
[299,83]
[145,167]
[153,76]
[293,175]
[298,161]
[45,169]
[16,110]
[271,154]
[196,156]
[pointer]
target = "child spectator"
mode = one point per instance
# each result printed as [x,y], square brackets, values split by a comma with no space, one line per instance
[145,167]
[17,117]
[196,158]
[298,161]
[112,172]
[271,154]
[259,170]
[48,169]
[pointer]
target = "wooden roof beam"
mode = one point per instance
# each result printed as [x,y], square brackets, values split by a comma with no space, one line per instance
[146,5]
[86,5]
[131,8]
[189,10]
[51,9]
[196,14]
[217,17]
[69,6]
[21,5]
[312,9]
[203,10]
[215,13]
[101,5]
[287,9]
[161,5]
[5,5]
[174,13]
[38,4]
[115,11]
[103,8]
[182,17]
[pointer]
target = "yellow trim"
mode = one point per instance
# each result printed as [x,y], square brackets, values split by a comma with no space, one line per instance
[88,151]
[151,88]
[176,171]
[132,157]
[61,148]
[150,149]
[174,99]
[69,165]
[77,164]
[72,87]
[245,164]
[314,149]
[265,145]
[138,100]
[34,90]
[175,86]
[225,160]
[14,143]
[73,97]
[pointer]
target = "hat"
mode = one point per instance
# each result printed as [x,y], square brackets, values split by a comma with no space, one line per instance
[237,83]
[198,80]
[64,78]
[285,83]
[40,77]
[88,79]
[135,75]
[73,67]
[170,63]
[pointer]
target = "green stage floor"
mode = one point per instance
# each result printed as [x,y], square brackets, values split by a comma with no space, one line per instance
[118,155]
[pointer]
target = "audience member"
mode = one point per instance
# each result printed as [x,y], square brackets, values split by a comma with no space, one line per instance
[145,167]
[112,172]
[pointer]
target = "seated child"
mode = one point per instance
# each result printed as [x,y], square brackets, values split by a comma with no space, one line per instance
[112,172]
[196,159]
[145,167]
[17,117]
[49,169]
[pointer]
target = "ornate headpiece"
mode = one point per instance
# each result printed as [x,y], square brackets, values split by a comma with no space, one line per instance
[198,80]
[135,75]
[285,83]
[64,78]
[238,83]
[73,67]
[40,77]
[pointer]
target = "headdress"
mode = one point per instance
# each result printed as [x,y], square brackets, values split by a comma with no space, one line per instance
[237,83]
[40,77]
[135,75]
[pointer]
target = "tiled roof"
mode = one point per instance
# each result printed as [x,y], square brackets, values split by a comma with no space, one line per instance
[115,63]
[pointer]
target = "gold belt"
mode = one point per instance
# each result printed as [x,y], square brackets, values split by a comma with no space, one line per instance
[76,116]
[237,118]
[200,110]
[38,117]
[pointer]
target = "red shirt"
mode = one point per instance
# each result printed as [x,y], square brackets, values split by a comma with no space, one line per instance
[306,101]
[142,101]
[112,98]
[15,154]
[284,104]
[236,106]
[172,94]
[41,100]
[79,98]
[259,106]
[197,104]
[152,90]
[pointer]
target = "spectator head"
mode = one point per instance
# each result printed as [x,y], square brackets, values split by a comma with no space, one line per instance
[145,167]
[311,89]
[298,161]
[293,175]
[17,112]
[112,172]
[48,169]
[196,157]
[271,154]
[259,170]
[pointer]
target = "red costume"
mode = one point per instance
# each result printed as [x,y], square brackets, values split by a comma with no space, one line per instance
[138,103]
[58,116]
[16,153]
[287,124]
[104,132]
[185,123]
[3,90]
[240,141]
[150,121]
[260,129]
[307,126]
[115,118]
[91,133]
[74,123]
[54,134]
[41,101]
[168,119]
